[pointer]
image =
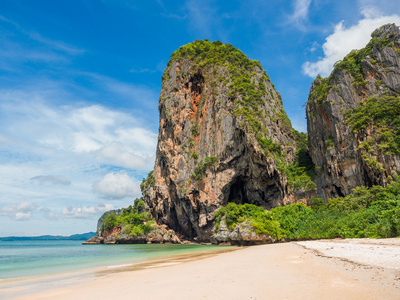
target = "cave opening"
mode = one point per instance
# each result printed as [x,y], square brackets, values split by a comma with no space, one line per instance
[237,192]
[266,197]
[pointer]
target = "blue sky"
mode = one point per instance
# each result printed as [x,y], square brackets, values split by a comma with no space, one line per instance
[80,81]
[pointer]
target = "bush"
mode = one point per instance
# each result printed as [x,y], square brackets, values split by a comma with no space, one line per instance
[133,220]
[365,213]
[258,218]
[147,183]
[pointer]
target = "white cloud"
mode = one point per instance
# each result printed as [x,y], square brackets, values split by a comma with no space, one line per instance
[117,186]
[20,211]
[115,154]
[142,70]
[343,40]
[138,93]
[83,212]
[301,9]
[314,47]
[114,137]
[52,179]
[22,216]
[54,44]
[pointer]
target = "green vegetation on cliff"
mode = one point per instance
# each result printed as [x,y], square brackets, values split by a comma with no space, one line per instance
[366,213]
[352,63]
[300,173]
[379,119]
[201,168]
[133,220]
[382,114]
[147,183]
[242,78]
[245,85]
[204,53]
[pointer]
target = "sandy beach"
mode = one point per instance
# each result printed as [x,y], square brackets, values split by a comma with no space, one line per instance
[333,269]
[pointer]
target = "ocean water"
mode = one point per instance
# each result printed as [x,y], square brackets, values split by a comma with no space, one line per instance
[32,258]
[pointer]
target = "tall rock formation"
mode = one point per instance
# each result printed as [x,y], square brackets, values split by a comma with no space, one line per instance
[223,137]
[353,117]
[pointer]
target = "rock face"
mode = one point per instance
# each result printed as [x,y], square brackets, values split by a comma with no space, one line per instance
[224,137]
[350,144]
[160,235]
[243,234]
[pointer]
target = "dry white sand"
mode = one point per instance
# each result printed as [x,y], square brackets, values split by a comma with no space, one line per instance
[277,271]
[379,253]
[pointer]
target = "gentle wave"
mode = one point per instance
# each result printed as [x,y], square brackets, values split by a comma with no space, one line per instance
[119,266]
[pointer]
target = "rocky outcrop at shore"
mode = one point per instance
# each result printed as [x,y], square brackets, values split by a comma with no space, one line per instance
[224,137]
[243,235]
[159,235]
[353,141]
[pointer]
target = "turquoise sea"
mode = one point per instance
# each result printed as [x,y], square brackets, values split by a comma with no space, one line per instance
[32,258]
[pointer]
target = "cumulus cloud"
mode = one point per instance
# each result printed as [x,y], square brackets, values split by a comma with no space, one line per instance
[83,212]
[113,136]
[62,180]
[117,186]
[116,154]
[343,40]
[76,131]
[20,211]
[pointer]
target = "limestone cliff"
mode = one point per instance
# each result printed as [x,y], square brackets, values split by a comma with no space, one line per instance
[223,137]
[352,117]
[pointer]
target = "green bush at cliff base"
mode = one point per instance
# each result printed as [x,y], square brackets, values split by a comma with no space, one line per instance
[366,213]
[235,214]
[133,220]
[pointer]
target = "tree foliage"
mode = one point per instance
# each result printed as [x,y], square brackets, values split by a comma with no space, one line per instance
[133,220]
[365,213]
[381,114]
[147,183]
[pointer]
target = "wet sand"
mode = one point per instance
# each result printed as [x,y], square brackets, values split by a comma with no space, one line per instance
[303,270]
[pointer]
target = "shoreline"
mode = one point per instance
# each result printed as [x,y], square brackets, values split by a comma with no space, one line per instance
[11,288]
[273,271]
